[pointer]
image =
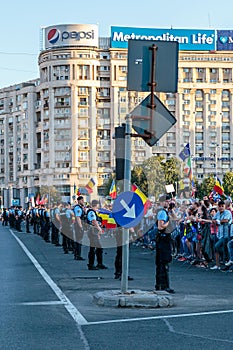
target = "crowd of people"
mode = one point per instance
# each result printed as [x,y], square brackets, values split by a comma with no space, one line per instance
[201,231]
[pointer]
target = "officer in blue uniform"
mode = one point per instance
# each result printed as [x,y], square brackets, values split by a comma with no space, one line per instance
[94,233]
[79,213]
[163,247]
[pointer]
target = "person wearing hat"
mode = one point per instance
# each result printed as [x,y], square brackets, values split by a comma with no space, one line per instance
[94,233]
[163,247]
[79,213]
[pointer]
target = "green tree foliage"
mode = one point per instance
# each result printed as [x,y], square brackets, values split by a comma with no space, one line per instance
[51,193]
[228,183]
[154,173]
[206,187]
[138,176]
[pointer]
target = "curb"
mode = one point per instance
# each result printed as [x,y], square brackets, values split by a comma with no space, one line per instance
[134,298]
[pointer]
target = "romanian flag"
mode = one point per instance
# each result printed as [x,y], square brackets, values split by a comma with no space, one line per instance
[218,187]
[146,202]
[89,186]
[107,218]
[111,223]
[112,191]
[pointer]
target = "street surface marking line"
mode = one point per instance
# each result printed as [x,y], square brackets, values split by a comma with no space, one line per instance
[77,316]
[43,303]
[162,317]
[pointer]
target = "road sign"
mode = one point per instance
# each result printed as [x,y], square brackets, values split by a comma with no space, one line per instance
[165,68]
[152,122]
[128,209]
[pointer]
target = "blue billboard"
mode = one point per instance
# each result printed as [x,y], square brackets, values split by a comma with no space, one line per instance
[224,40]
[188,39]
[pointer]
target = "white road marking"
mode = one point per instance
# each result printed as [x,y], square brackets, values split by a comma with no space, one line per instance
[162,317]
[43,303]
[77,316]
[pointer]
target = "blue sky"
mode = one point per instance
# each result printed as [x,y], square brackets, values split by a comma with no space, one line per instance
[21,21]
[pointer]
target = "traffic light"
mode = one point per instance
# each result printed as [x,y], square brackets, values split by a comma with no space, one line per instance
[120,151]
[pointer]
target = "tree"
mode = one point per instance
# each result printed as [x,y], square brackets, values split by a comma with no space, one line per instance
[228,183]
[138,176]
[206,187]
[50,193]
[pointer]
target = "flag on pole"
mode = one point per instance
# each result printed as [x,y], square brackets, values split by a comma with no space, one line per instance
[146,202]
[38,199]
[218,187]
[112,191]
[185,153]
[90,185]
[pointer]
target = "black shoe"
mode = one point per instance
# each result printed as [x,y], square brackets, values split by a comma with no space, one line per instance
[79,258]
[101,267]
[66,252]
[58,245]
[117,276]
[169,290]
[92,268]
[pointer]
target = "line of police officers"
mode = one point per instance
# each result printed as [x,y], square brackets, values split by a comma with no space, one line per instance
[71,222]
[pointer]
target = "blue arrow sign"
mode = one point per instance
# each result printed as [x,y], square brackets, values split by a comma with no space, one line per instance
[128,209]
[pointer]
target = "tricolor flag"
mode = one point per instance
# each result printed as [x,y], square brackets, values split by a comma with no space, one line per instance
[89,186]
[112,191]
[218,187]
[38,199]
[188,169]
[146,202]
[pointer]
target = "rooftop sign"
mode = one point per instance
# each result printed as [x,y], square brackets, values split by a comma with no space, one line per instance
[188,39]
[70,35]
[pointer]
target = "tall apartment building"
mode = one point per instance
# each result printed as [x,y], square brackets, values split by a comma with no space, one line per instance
[58,130]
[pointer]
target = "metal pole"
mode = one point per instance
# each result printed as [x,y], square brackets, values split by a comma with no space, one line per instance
[127,187]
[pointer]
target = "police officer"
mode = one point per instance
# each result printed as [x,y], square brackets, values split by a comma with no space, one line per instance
[163,247]
[79,213]
[66,226]
[46,225]
[94,233]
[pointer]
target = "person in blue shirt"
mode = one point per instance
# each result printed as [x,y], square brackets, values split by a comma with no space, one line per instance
[223,219]
[163,247]
[79,212]
[94,233]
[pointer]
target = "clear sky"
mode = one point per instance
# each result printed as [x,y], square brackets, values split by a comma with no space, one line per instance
[21,21]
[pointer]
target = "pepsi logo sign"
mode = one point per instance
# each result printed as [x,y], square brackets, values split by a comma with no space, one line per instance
[53,36]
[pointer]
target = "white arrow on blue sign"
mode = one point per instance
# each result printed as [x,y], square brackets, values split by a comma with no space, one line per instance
[128,209]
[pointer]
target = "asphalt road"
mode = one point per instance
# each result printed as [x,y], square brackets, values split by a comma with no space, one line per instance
[46,300]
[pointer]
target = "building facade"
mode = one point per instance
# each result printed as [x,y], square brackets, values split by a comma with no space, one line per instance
[58,130]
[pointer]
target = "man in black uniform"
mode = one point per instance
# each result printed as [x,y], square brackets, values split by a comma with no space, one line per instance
[94,233]
[163,247]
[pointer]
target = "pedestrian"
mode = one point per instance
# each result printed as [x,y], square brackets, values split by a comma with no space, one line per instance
[223,219]
[5,216]
[66,226]
[79,213]
[163,247]
[94,233]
